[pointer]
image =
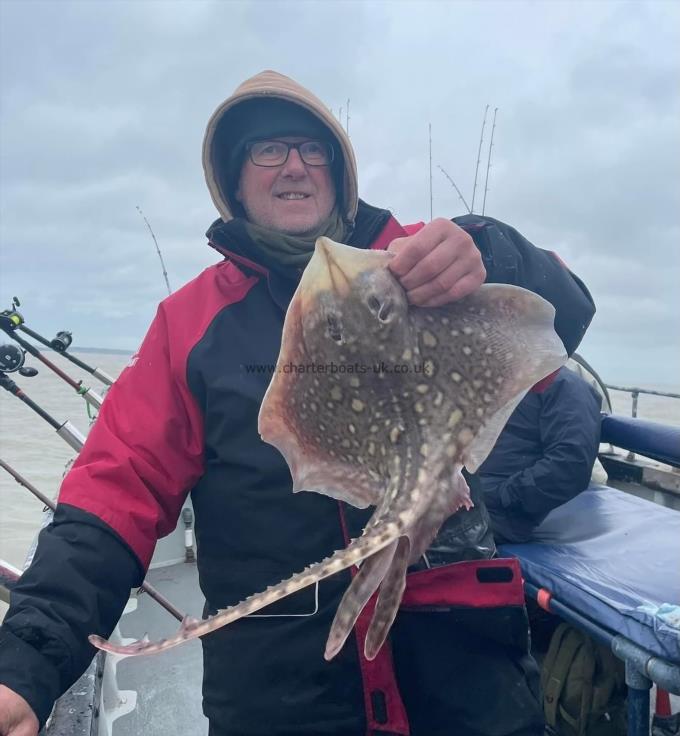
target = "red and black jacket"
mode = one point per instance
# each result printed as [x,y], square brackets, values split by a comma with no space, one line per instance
[181,418]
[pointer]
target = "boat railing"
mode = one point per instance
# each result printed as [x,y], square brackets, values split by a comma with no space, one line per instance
[635,395]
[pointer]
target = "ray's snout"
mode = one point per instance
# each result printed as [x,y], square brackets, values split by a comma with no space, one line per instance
[330,270]
[334,268]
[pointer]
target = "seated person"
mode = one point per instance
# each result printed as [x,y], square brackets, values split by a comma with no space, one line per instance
[543,457]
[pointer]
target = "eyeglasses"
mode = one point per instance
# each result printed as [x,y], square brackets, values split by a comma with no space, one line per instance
[275,153]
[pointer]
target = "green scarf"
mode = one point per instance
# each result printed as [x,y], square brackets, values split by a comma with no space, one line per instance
[290,254]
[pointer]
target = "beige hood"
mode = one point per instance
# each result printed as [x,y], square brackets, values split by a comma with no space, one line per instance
[273,84]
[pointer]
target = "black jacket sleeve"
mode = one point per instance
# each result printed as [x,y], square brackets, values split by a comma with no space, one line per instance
[78,584]
[509,258]
[569,432]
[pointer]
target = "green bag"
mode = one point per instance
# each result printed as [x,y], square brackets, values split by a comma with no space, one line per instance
[583,684]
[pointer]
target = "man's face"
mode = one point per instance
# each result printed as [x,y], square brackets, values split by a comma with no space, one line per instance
[271,196]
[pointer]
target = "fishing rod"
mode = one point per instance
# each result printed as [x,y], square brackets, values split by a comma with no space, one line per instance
[479,159]
[92,397]
[14,320]
[158,250]
[11,361]
[28,486]
[9,575]
[488,161]
[455,186]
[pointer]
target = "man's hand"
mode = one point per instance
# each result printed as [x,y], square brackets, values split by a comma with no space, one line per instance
[437,265]
[16,716]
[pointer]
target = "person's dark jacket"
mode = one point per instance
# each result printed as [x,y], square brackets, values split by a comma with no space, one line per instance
[543,457]
[183,417]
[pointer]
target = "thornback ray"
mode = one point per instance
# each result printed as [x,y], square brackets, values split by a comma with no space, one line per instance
[380,403]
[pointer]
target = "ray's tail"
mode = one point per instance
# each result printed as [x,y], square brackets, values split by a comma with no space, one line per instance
[359,549]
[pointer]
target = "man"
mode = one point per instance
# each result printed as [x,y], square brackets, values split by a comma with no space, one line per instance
[543,457]
[183,418]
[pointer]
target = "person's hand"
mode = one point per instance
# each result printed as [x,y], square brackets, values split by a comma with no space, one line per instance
[437,265]
[16,716]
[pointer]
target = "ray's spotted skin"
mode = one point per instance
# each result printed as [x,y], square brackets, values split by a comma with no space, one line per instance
[382,404]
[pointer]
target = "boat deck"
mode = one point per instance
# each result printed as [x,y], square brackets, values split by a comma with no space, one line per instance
[168,685]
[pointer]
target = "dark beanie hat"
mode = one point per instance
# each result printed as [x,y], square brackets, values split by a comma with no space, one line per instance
[261,118]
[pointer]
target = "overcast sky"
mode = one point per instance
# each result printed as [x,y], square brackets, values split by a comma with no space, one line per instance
[104,106]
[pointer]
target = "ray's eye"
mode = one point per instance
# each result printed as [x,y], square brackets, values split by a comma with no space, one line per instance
[385,310]
[382,309]
[334,329]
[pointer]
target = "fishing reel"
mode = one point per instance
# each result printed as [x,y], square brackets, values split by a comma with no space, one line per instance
[12,359]
[10,319]
[62,341]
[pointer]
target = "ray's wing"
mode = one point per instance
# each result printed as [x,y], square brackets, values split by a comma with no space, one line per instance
[289,420]
[535,352]
[487,351]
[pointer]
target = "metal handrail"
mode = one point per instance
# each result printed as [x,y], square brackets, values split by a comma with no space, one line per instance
[635,393]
